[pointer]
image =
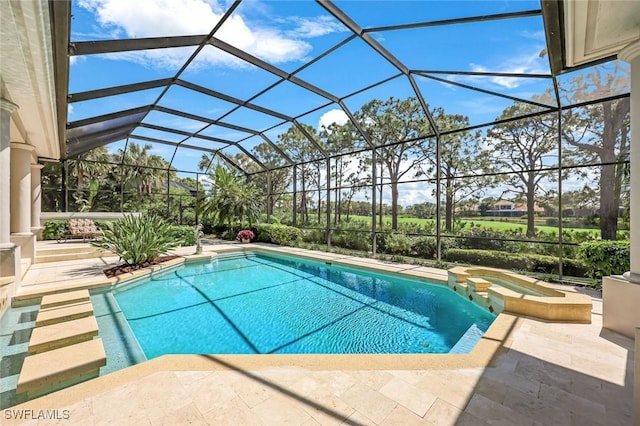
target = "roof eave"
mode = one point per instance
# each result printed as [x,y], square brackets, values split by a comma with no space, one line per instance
[60,12]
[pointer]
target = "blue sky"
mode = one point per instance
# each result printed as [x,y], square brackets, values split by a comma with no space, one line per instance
[288,34]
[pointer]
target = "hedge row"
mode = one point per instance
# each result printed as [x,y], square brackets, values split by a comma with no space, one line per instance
[605,257]
[519,261]
[277,234]
[596,258]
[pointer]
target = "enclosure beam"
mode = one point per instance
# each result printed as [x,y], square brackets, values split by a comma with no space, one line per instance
[65,185]
[118,90]
[374,177]
[438,195]
[238,53]
[127,45]
[329,202]
[204,119]
[455,21]
[295,195]
[557,95]
[269,201]
[231,99]
[631,54]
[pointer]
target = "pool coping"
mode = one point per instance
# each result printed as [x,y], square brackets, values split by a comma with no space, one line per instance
[495,340]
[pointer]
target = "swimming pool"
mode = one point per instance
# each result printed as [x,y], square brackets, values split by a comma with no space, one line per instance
[254,303]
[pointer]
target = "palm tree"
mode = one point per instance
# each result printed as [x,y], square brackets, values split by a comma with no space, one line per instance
[91,165]
[205,162]
[232,198]
[145,171]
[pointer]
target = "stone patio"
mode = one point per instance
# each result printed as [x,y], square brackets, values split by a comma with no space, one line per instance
[544,373]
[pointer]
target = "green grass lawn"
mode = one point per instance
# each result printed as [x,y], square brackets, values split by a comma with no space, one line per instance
[499,225]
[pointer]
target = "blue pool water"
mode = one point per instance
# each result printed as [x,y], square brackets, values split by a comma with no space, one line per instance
[254,303]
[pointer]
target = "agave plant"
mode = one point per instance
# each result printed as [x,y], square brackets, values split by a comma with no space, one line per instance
[137,239]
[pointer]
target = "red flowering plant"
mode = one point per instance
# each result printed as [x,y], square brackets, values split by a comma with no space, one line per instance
[246,234]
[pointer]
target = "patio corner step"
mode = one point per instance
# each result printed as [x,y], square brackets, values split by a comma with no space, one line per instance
[65,298]
[50,371]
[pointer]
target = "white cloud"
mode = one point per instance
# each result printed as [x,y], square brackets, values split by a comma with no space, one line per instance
[528,63]
[205,180]
[161,18]
[534,35]
[153,18]
[316,27]
[332,116]
[411,193]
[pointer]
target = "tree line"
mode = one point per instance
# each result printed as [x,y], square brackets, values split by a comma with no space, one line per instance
[521,155]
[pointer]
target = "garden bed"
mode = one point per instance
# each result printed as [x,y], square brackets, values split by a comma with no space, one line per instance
[124,268]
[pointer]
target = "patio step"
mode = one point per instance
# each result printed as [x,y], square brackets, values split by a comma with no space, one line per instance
[63,313]
[54,336]
[54,248]
[69,253]
[49,371]
[66,298]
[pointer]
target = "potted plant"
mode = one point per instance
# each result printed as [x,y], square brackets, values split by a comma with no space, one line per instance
[246,235]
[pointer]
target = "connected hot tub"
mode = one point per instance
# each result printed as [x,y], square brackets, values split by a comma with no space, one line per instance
[499,290]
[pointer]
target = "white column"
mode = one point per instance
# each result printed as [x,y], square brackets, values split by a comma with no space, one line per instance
[36,197]
[21,188]
[6,108]
[631,54]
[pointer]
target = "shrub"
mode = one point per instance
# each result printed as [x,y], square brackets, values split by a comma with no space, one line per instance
[100,223]
[425,247]
[208,228]
[54,229]
[278,234]
[316,236]
[478,237]
[351,239]
[517,261]
[605,257]
[138,239]
[416,228]
[394,244]
[183,234]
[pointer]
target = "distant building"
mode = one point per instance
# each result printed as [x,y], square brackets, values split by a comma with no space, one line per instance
[506,208]
[184,186]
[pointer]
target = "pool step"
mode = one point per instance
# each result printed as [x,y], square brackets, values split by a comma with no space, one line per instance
[63,345]
[66,298]
[468,341]
[54,336]
[49,371]
[63,313]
